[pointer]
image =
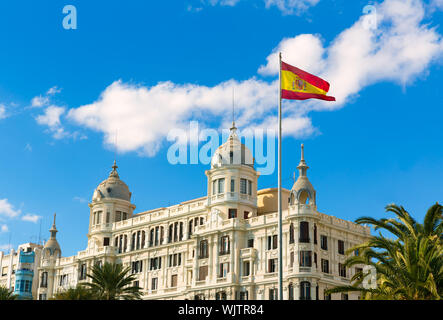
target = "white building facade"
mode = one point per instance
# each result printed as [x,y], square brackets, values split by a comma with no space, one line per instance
[221,246]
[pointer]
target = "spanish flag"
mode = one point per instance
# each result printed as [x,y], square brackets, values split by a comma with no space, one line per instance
[297,84]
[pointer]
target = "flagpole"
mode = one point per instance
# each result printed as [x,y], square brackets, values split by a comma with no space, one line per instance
[280,234]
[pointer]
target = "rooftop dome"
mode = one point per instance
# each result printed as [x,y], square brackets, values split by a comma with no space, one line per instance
[232,152]
[303,185]
[112,188]
[51,246]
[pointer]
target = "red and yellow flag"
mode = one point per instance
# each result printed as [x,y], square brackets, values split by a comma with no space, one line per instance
[297,84]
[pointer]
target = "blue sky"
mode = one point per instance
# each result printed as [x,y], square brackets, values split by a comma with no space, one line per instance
[154,66]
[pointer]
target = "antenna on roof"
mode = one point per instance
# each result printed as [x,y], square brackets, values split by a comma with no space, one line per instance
[116,147]
[233,111]
[40,232]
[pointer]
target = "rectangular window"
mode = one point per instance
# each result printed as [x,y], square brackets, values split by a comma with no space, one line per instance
[341,247]
[202,273]
[272,265]
[83,271]
[232,213]
[118,216]
[173,280]
[108,216]
[324,265]
[272,242]
[224,269]
[214,187]
[246,268]
[273,294]
[232,185]
[106,241]
[250,187]
[221,185]
[203,249]
[291,259]
[324,242]
[154,283]
[243,295]
[250,243]
[304,232]
[224,245]
[243,186]
[305,258]
[342,270]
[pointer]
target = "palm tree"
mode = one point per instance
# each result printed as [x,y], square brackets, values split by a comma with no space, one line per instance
[80,292]
[6,294]
[408,267]
[112,282]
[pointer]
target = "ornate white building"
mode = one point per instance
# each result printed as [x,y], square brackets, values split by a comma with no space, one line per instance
[220,246]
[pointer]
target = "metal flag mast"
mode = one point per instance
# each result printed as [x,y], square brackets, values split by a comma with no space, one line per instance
[280,234]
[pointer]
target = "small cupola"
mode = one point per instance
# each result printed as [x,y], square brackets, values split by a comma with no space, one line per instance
[302,191]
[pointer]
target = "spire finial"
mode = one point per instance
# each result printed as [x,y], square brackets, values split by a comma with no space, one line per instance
[302,166]
[53,229]
[114,172]
[233,111]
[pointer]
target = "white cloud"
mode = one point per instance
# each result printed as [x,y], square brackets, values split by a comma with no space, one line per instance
[143,116]
[437,4]
[399,50]
[31,218]
[28,147]
[4,228]
[2,111]
[7,210]
[53,91]
[291,6]
[80,199]
[39,101]
[51,118]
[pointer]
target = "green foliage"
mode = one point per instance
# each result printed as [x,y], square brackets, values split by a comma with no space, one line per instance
[112,282]
[80,292]
[409,267]
[6,294]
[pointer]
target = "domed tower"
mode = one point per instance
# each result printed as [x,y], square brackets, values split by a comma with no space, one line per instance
[52,250]
[50,254]
[111,202]
[302,191]
[232,180]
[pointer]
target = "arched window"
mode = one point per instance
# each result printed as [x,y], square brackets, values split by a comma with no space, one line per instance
[162,231]
[143,239]
[133,241]
[305,290]
[292,198]
[291,233]
[180,235]
[157,235]
[151,237]
[137,245]
[303,197]
[125,243]
[170,232]
[291,291]
[190,228]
